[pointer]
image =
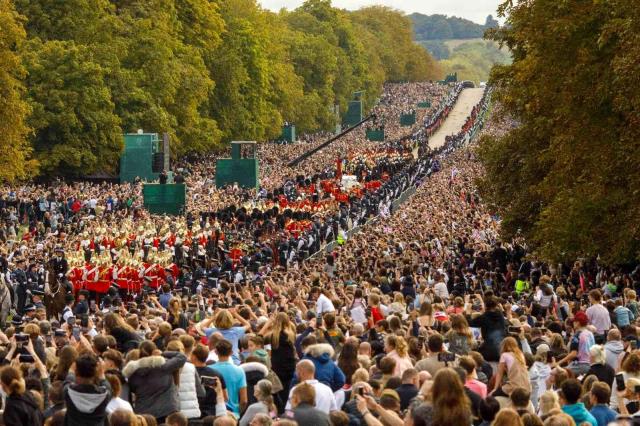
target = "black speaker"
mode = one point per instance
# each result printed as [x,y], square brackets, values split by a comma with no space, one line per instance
[157,164]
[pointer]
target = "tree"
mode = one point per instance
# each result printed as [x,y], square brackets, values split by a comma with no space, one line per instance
[76,129]
[567,176]
[15,162]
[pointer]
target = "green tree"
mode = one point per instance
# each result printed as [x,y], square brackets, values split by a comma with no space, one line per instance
[76,128]
[567,176]
[15,162]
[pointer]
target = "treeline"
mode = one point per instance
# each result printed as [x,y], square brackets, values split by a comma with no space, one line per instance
[474,60]
[567,178]
[441,27]
[76,74]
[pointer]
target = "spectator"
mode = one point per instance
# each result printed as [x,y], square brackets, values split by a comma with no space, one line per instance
[302,400]
[20,407]
[323,396]
[409,387]
[87,397]
[151,380]
[599,395]
[234,377]
[569,396]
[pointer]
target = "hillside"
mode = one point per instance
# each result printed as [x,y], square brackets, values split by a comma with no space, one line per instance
[441,27]
[458,45]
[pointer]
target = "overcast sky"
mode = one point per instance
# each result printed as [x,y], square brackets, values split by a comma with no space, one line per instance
[475,10]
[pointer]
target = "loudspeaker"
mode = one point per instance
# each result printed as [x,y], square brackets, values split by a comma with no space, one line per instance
[157,164]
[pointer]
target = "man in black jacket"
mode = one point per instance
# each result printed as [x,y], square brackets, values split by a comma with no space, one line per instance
[88,395]
[493,327]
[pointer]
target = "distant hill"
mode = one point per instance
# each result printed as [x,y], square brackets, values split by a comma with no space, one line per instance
[442,27]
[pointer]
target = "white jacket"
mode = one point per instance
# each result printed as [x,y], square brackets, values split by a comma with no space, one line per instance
[188,391]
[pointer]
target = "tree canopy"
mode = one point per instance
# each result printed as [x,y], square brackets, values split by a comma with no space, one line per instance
[567,177]
[441,27]
[80,73]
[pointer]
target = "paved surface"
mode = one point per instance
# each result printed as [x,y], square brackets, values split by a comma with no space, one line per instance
[456,119]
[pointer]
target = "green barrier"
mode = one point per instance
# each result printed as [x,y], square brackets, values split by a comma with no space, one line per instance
[165,199]
[137,157]
[425,104]
[376,135]
[408,119]
[288,133]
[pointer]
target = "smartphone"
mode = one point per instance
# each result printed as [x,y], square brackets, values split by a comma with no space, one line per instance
[514,329]
[633,344]
[446,357]
[26,358]
[361,391]
[620,382]
[319,320]
[84,321]
[209,381]
[76,332]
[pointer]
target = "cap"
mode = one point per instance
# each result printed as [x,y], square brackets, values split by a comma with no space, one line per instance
[69,298]
[37,292]
[16,320]
[581,317]
[29,308]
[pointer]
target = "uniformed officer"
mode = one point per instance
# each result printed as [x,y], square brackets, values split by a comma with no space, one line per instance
[67,312]
[22,286]
[60,266]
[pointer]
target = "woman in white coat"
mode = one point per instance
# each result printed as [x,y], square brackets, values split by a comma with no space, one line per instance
[189,385]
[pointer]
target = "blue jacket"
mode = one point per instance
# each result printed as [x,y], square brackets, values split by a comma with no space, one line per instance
[603,414]
[327,371]
[624,316]
[579,413]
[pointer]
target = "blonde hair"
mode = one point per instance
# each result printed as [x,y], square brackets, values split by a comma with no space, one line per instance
[548,401]
[597,354]
[360,375]
[510,344]
[223,320]
[399,344]
[281,324]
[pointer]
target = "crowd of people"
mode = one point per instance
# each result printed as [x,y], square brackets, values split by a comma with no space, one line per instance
[264,307]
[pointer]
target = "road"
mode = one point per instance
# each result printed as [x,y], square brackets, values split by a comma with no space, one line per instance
[461,110]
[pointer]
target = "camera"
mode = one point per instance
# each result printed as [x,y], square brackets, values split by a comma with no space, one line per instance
[446,357]
[22,338]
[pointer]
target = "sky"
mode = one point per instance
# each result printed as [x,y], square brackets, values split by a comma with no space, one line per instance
[475,10]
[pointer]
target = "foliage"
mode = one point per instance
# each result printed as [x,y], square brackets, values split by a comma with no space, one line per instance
[73,115]
[474,60]
[437,48]
[567,177]
[14,163]
[441,27]
[204,71]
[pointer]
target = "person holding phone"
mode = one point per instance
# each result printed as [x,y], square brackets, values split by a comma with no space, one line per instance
[211,380]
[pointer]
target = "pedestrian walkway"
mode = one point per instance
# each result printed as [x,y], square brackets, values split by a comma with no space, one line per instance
[466,101]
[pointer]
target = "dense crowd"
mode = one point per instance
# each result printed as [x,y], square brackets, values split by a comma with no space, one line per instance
[265,307]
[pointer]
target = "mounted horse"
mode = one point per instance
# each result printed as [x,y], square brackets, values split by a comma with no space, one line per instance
[55,290]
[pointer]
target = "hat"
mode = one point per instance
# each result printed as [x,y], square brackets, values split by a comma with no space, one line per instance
[29,308]
[16,320]
[390,393]
[69,298]
[581,317]
[84,292]
[36,292]
[542,349]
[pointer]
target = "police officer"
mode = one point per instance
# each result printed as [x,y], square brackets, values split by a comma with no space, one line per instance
[22,285]
[60,265]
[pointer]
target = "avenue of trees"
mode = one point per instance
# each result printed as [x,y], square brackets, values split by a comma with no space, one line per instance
[567,177]
[77,74]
